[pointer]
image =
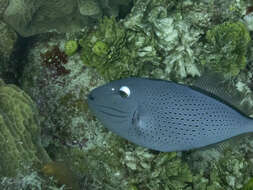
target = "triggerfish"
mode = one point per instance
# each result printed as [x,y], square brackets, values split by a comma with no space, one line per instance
[166,116]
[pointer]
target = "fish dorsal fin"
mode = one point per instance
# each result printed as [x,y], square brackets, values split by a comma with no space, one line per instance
[215,85]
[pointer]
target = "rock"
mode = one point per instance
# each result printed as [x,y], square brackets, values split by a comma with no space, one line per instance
[89,8]
[30,17]
[8,42]
[3,6]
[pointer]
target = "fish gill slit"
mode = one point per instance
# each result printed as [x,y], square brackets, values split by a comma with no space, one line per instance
[114,109]
[113,115]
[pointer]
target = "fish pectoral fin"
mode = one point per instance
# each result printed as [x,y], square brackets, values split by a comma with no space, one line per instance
[136,118]
[139,122]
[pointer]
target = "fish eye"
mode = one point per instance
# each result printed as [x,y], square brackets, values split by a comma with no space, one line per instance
[124,91]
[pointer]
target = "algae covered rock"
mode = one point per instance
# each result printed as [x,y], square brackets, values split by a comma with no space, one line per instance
[123,167]
[175,32]
[179,27]
[19,131]
[228,45]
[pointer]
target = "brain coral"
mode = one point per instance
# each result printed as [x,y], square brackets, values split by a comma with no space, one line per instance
[19,131]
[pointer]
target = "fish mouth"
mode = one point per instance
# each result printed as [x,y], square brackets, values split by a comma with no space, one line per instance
[111,111]
[90,97]
[107,111]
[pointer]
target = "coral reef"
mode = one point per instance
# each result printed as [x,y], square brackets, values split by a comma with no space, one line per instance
[226,165]
[61,98]
[228,44]
[127,167]
[116,52]
[175,37]
[20,133]
[72,133]
[161,39]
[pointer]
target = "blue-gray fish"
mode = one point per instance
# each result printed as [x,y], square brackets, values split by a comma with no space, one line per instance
[165,116]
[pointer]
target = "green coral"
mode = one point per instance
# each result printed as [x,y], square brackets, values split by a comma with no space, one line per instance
[228,44]
[71,47]
[100,48]
[115,52]
[19,131]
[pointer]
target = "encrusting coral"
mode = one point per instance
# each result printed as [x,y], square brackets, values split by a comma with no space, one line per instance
[19,131]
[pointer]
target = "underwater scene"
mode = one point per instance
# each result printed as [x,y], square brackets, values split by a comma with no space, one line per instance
[126,95]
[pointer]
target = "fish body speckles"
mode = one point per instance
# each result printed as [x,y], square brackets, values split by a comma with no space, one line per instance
[165,116]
